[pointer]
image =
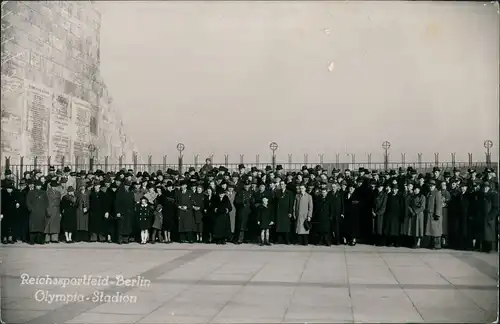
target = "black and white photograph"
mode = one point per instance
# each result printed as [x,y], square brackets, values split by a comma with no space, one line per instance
[231,161]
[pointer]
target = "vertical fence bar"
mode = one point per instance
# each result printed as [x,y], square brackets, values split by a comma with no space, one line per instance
[289,161]
[226,160]
[150,163]
[257,160]
[180,163]
[337,160]
[470,159]
[76,163]
[196,157]
[62,161]
[436,159]
[164,162]
[453,159]
[242,159]
[403,158]
[106,163]
[21,167]
[306,156]
[353,160]
[7,163]
[49,158]
[369,160]
[120,162]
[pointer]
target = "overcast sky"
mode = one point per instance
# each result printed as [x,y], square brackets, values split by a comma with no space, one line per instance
[319,77]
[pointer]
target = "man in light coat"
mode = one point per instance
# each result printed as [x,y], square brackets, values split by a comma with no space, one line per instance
[302,211]
[434,215]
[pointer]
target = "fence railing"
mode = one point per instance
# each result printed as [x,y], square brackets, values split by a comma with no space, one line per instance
[103,164]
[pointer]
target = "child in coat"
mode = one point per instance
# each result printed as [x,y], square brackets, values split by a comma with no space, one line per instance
[157,223]
[265,221]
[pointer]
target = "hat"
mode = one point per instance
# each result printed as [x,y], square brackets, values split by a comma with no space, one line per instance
[220,190]
[279,167]
[464,184]
[22,181]
[436,169]
[54,183]
[455,169]
[114,185]
[70,189]
[241,166]
[432,182]
[446,174]
[192,169]
[269,168]
[8,172]
[127,183]
[52,168]
[395,186]
[38,183]
[392,172]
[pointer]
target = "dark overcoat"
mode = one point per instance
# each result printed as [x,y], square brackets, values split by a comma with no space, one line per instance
[242,202]
[394,212]
[167,199]
[283,204]
[379,206]
[458,208]
[82,211]
[265,216]
[98,207]
[125,206]
[144,216]
[37,204]
[488,212]
[352,210]
[69,206]
[185,217]
[198,201]
[322,215]
[9,210]
[221,208]
[53,224]
[337,201]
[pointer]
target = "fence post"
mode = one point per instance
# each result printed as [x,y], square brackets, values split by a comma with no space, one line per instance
[180,148]
[403,158]
[76,163]
[369,160]
[419,160]
[386,146]
[488,144]
[337,159]
[62,161]
[164,162]
[226,160]
[257,160]
[241,159]
[321,156]
[289,161]
[7,163]
[470,159]
[106,163]
[353,159]
[35,162]
[436,159]
[150,163]
[120,162]
[306,156]
[212,158]
[134,161]
[453,159]
[196,161]
[21,166]
[49,158]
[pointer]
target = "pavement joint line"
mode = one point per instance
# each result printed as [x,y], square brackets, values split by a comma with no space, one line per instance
[439,273]
[404,291]
[235,248]
[296,286]
[69,311]
[351,306]
[481,265]
[245,284]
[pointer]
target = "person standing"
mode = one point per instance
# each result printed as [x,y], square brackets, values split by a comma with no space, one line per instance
[82,214]
[221,209]
[98,208]
[459,212]
[416,211]
[434,213]
[53,224]
[185,214]
[232,214]
[488,211]
[197,202]
[351,212]
[144,216]
[37,204]
[393,215]
[169,211]
[378,212]
[302,212]
[337,201]
[125,207]
[283,204]
[446,199]
[265,220]
[10,212]
[322,217]
[69,208]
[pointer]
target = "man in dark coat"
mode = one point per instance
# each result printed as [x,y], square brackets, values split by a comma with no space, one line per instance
[222,225]
[242,202]
[185,213]
[37,204]
[337,202]
[394,213]
[488,212]
[10,212]
[434,214]
[378,212]
[458,215]
[98,207]
[124,208]
[24,216]
[283,204]
[322,217]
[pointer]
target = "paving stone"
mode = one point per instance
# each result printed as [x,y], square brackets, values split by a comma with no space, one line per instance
[95,318]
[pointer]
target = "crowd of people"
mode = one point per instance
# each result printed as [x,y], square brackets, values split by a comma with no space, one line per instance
[211,205]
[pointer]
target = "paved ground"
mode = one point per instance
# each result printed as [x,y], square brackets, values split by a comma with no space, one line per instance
[249,284]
